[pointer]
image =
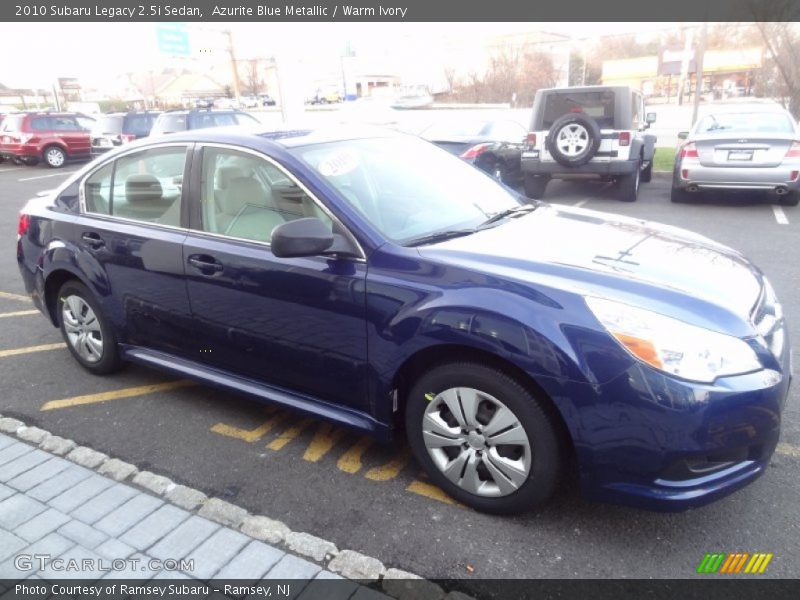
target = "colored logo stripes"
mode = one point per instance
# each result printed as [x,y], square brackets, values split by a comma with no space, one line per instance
[740,562]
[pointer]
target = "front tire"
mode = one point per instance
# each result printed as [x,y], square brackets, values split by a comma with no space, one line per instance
[85,329]
[483,438]
[54,157]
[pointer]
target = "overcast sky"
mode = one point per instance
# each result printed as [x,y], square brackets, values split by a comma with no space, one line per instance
[94,52]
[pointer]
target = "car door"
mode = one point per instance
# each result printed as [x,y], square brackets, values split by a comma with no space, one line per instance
[296,323]
[132,231]
[69,131]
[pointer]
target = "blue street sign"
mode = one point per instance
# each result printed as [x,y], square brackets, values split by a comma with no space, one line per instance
[173,38]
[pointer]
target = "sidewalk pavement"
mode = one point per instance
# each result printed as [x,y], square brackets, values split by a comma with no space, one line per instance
[53,506]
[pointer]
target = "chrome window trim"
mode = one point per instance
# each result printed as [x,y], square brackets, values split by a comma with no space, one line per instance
[111,159]
[258,154]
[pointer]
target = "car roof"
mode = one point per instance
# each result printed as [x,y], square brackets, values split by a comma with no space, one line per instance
[287,138]
[588,88]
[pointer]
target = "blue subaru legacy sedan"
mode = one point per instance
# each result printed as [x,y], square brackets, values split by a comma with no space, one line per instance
[373,280]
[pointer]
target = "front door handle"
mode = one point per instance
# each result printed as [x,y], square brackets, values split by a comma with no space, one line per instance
[93,240]
[205,264]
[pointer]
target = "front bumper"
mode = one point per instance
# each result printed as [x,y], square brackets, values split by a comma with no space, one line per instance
[533,165]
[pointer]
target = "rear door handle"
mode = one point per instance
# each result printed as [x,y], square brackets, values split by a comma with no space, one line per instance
[205,264]
[92,240]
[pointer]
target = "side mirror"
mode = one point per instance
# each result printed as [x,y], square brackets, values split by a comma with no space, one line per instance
[682,135]
[301,237]
[650,118]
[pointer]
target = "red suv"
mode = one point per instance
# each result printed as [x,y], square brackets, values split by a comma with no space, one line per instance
[51,137]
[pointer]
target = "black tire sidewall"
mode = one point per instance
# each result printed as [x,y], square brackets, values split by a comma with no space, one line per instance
[629,184]
[593,130]
[546,461]
[535,186]
[110,361]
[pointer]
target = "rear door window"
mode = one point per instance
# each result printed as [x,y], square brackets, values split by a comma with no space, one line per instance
[64,124]
[598,105]
[41,124]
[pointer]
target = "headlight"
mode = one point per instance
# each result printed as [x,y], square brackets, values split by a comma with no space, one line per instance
[673,346]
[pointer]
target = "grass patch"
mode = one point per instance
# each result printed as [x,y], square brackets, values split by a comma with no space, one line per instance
[664,159]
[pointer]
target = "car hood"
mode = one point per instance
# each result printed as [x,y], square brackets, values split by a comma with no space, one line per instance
[663,268]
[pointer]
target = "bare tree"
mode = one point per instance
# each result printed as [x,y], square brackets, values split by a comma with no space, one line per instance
[252,77]
[781,40]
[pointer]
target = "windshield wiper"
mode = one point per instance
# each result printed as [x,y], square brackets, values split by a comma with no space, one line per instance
[439,236]
[510,212]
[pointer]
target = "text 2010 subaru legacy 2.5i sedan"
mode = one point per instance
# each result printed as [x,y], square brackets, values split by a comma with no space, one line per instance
[378,282]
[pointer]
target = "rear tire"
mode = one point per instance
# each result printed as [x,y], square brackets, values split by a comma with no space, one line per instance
[629,185]
[535,186]
[679,195]
[87,333]
[647,173]
[474,466]
[791,199]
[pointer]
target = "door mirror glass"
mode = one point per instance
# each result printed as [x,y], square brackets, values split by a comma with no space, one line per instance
[682,135]
[301,237]
[651,118]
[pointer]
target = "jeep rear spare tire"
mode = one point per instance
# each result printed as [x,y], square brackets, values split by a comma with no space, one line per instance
[573,139]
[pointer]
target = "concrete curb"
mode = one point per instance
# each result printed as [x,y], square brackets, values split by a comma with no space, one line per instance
[349,563]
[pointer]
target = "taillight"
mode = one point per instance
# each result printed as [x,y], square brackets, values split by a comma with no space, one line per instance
[624,138]
[475,151]
[23,225]
[794,150]
[689,151]
[127,138]
[531,139]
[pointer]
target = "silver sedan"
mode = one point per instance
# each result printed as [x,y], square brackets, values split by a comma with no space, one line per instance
[742,151]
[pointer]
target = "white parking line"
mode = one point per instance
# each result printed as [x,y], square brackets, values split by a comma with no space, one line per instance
[581,202]
[780,216]
[12,169]
[60,174]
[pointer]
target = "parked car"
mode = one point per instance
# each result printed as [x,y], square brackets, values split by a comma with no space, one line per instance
[755,150]
[115,129]
[494,146]
[266,100]
[249,102]
[592,131]
[376,282]
[53,137]
[183,119]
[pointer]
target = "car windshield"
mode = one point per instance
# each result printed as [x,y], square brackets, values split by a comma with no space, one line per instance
[108,124]
[408,188]
[746,122]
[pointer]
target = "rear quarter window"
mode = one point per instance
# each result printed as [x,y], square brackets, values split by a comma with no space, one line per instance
[12,123]
[598,105]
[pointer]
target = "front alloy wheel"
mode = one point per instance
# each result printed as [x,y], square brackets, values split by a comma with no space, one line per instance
[477,442]
[483,437]
[55,157]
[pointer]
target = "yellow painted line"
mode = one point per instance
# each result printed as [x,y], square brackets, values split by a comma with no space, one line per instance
[350,461]
[289,434]
[391,469]
[251,435]
[30,349]
[764,564]
[141,390]
[19,313]
[19,297]
[431,491]
[323,441]
[788,450]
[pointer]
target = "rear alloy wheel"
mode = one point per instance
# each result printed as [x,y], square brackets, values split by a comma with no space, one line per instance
[88,335]
[483,438]
[629,185]
[54,156]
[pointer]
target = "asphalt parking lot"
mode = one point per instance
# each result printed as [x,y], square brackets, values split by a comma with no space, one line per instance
[373,498]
